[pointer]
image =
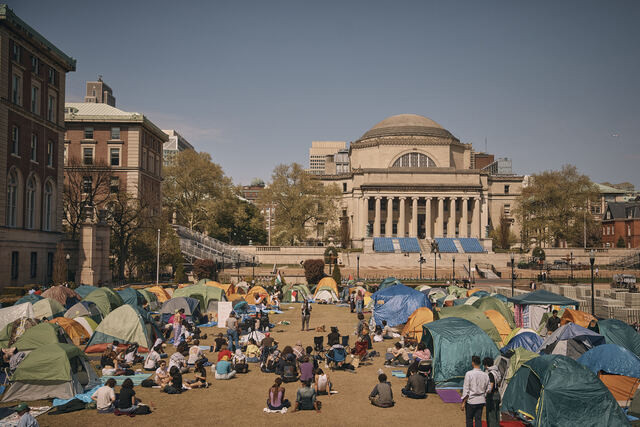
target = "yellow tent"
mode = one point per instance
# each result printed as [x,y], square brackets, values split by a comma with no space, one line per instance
[228,288]
[328,281]
[500,323]
[160,292]
[413,328]
[75,330]
[235,298]
[255,292]
[472,291]
[576,316]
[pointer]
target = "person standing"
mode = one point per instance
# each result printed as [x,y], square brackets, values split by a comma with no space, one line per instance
[553,323]
[493,396]
[232,332]
[305,312]
[476,386]
[359,301]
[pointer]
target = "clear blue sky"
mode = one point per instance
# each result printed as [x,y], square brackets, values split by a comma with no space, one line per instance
[253,83]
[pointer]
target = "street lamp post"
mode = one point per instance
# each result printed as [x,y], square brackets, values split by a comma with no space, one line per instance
[158,260]
[253,268]
[238,265]
[435,267]
[357,267]
[571,264]
[68,258]
[469,259]
[223,260]
[330,263]
[512,281]
[592,259]
[453,270]
[420,260]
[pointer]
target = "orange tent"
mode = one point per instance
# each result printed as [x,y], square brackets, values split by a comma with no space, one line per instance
[576,316]
[413,328]
[228,288]
[256,292]
[75,330]
[621,387]
[162,294]
[499,322]
[472,291]
[328,281]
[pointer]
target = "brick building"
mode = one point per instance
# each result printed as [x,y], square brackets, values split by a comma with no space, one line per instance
[32,89]
[621,220]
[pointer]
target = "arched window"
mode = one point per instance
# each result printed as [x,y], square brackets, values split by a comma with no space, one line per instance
[414,160]
[12,199]
[48,202]
[31,203]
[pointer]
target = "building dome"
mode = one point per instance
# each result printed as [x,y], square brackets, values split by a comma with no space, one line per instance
[404,125]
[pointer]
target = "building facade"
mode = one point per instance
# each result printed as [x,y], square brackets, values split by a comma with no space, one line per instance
[621,223]
[32,88]
[174,144]
[319,151]
[410,177]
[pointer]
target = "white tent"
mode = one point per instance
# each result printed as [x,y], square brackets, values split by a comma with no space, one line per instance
[256,335]
[9,314]
[327,296]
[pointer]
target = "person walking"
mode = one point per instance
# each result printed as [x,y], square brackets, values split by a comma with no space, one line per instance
[476,386]
[232,332]
[305,312]
[493,397]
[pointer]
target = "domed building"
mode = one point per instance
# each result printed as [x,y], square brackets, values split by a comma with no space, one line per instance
[411,177]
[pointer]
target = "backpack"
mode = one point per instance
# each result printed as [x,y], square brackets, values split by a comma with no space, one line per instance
[142,410]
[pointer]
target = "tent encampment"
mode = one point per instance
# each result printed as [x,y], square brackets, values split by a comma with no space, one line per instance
[475,316]
[396,303]
[508,366]
[105,299]
[452,342]
[295,293]
[493,303]
[413,328]
[576,316]
[31,298]
[161,294]
[48,308]
[500,323]
[330,282]
[132,297]
[84,290]
[87,323]
[205,294]
[14,312]
[65,296]
[53,370]
[190,306]
[257,293]
[556,390]
[73,329]
[527,340]
[542,297]
[125,324]
[326,295]
[84,308]
[570,340]
[42,334]
[617,332]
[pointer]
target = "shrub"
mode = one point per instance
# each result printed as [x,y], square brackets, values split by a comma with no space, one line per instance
[538,254]
[337,275]
[621,243]
[330,255]
[204,269]
[180,276]
[313,270]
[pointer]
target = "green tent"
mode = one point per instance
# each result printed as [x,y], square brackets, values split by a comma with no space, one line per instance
[452,342]
[457,291]
[84,290]
[389,281]
[53,370]
[48,308]
[132,297]
[42,334]
[151,298]
[618,332]
[475,316]
[302,293]
[204,294]
[105,299]
[556,390]
[491,303]
[519,357]
[125,324]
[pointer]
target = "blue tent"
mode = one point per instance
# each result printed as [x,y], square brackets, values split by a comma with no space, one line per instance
[612,359]
[132,297]
[32,298]
[84,290]
[527,340]
[481,294]
[396,303]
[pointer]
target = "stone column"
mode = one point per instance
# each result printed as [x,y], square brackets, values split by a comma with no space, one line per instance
[439,231]
[464,219]
[451,225]
[427,219]
[414,217]
[388,228]
[364,216]
[402,220]
[476,226]
[376,219]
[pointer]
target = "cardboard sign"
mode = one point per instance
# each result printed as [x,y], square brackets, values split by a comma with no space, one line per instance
[224,309]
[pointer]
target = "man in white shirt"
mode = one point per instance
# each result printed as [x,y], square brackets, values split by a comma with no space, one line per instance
[476,386]
[105,396]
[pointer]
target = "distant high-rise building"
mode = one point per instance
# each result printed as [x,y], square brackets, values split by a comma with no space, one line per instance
[175,144]
[99,92]
[318,152]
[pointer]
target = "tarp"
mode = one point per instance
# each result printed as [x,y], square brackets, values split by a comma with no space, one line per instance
[556,390]
[65,296]
[396,303]
[204,294]
[132,297]
[328,281]
[413,327]
[618,332]
[493,303]
[105,299]
[126,325]
[160,292]
[191,308]
[74,330]
[576,316]
[47,308]
[612,359]
[9,314]
[475,316]
[41,334]
[84,308]
[570,340]
[527,340]
[84,290]
[542,297]
[500,323]
[32,298]
[452,342]
[257,292]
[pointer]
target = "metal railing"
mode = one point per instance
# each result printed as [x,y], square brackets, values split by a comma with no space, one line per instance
[197,245]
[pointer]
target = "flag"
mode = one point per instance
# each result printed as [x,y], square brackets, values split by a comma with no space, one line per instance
[278,280]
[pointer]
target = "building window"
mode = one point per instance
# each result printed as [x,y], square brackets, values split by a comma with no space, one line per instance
[16,90]
[51,109]
[34,264]
[114,186]
[34,148]
[144,159]
[414,160]
[506,189]
[629,230]
[16,54]
[52,76]
[115,133]
[31,203]
[114,155]
[48,199]
[35,64]
[87,184]
[49,265]
[15,140]
[12,199]
[88,133]
[15,264]
[344,187]
[50,153]
[507,209]
[87,155]
[35,99]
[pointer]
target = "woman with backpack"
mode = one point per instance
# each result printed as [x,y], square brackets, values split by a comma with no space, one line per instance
[492,409]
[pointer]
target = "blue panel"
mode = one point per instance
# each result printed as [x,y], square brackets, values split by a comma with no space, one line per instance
[446,245]
[471,245]
[383,244]
[409,244]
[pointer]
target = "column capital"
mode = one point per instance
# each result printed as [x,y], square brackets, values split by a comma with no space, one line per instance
[402,198]
[415,198]
[378,197]
[465,198]
[441,198]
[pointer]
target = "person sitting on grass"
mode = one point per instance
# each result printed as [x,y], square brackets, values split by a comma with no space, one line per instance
[239,362]
[151,362]
[306,398]
[333,337]
[399,354]
[298,350]
[224,370]
[26,419]
[200,380]
[220,341]
[377,334]
[313,359]
[382,395]
[162,377]
[176,384]
[416,387]
[131,356]
[178,360]
[104,397]
[306,369]
[422,353]
[127,402]
[195,353]
[322,383]
[388,332]
[275,398]
[253,352]
[224,351]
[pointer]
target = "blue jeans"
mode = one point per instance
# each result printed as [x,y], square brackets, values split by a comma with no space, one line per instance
[359,305]
[232,336]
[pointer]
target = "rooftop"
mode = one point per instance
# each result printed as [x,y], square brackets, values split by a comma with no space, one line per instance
[74,110]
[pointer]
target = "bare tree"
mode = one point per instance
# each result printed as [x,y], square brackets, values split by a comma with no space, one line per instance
[84,186]
[60,273]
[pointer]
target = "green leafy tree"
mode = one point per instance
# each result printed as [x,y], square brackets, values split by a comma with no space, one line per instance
[336,274]
[236,221]
[538,254]
[180,276]
[300,201]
